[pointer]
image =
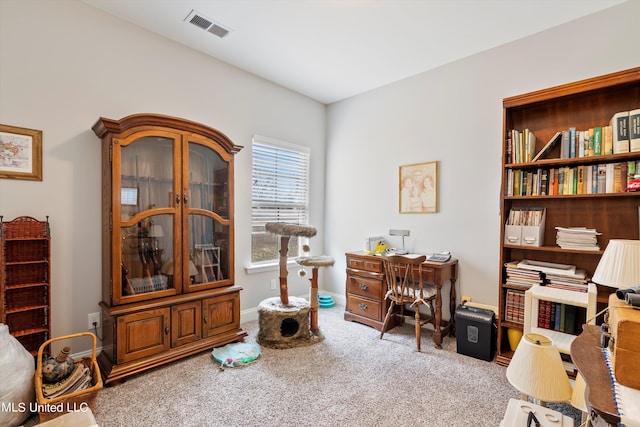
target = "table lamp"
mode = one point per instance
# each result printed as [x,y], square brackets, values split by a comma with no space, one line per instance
[167,268]
[577,397]
[536,370]
[619,266]
[402,233]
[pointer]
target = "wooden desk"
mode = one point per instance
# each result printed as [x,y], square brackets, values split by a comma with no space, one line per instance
[365,291]
[588,358]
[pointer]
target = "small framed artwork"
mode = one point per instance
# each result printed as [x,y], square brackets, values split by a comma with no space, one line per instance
[20,153]
[419,188]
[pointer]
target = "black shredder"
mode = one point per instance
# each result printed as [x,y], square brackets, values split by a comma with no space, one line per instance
[475,332]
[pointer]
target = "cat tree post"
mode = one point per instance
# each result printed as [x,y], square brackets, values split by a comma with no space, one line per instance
[314,262]
[285,231]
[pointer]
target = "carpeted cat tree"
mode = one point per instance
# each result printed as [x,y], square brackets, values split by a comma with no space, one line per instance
[286,322]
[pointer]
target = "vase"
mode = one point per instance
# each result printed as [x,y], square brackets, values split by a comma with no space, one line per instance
[514,336]
[57,368]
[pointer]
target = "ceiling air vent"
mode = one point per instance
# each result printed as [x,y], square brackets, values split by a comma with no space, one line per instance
[207,24]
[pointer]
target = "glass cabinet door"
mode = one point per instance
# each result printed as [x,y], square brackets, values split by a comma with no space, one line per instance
[208,218]
[146,209]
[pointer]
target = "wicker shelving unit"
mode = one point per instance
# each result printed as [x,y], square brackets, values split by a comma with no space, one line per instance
[25,271]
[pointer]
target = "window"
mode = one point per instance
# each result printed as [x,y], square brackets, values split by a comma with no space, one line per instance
[280,193]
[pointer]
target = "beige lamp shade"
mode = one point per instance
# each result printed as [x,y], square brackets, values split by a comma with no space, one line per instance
[619,266]
[156,231]
[536,370]
[167,268]
[577,396]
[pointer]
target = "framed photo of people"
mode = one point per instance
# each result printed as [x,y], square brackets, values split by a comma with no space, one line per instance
[20,153]
[419,188]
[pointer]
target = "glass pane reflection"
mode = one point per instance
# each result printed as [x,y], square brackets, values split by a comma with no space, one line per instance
[208,249]
[147,255]
[146,175]
[208,180]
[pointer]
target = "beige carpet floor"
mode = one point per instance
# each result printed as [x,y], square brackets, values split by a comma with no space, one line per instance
[351,378]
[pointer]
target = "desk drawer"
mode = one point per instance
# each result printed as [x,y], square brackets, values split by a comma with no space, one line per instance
[364,307]
[364,286]
[429,275]
[374,265]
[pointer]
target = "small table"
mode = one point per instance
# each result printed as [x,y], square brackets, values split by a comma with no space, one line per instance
[518,412]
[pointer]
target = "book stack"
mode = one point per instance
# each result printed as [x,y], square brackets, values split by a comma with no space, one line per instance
[578,282]
[521,277]
[514,306]
[578,238]
[561,317]
[79,379]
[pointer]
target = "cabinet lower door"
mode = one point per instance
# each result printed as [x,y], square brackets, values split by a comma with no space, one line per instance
[222,314]
[186,323]
[142,334]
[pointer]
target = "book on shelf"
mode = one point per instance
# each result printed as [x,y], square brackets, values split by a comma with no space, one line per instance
[634,130]
[582,179]
[620,130]
[548,146]
[521,145]
[607,140]
[565,150]
[597,141]
[561,317]
[514,306]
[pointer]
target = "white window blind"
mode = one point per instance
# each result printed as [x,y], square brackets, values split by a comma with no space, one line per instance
[280,191]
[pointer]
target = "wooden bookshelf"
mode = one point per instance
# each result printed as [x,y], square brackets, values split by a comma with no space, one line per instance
[582,105]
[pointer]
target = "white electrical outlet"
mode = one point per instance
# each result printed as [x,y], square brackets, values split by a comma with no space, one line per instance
[94,318]
[273,284]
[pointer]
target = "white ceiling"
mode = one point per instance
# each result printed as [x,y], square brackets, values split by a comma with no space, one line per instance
[333,49]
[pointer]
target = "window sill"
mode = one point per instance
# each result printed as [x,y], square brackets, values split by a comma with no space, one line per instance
[267,266]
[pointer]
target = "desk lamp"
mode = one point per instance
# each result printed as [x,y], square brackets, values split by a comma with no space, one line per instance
[536,370]
[402,233]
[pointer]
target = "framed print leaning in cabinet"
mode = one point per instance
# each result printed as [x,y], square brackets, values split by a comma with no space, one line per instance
[20,153]
[419,188]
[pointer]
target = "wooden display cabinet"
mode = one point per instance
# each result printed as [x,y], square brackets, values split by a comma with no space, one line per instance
[582,105]
[167,194]
[25,274]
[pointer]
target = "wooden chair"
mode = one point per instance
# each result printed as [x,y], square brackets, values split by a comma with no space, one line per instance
[405,286]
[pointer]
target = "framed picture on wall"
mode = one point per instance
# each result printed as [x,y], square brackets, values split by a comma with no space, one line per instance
[20,153]
[419,188]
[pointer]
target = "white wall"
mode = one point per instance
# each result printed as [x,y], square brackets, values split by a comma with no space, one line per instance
[453,115]
[63,64]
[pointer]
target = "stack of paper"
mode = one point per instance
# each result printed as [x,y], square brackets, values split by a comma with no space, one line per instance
[579,238]
[561,276]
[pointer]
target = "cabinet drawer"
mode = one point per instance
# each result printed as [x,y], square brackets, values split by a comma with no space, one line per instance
[364,307]
[374,265]
[364,286]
